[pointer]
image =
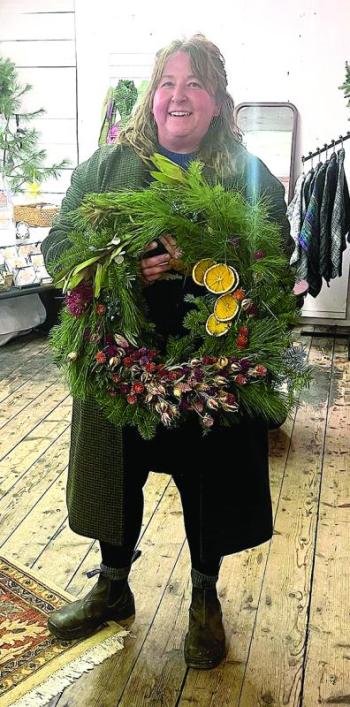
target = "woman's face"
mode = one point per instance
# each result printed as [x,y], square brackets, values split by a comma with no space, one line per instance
[182,107]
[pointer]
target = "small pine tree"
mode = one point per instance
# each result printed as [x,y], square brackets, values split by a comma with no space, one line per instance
[346,85]
[21,159]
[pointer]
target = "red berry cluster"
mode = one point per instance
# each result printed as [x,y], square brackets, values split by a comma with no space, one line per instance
[100,308]
[101,357]
[239,294]
[242,338]
[136,389]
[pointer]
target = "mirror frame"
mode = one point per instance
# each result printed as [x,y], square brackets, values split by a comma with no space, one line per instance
[274,104]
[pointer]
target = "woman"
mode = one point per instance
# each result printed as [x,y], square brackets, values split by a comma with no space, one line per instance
[223,477]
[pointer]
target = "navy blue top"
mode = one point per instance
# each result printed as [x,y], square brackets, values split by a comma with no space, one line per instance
[182,160]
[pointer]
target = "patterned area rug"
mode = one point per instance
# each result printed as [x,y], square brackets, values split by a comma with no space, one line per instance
[35,666]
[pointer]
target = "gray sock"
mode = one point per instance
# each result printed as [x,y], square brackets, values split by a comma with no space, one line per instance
[115,573]
[203,581]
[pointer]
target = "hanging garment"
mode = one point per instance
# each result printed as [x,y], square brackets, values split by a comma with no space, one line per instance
[302,269]
[294,213]
[307,190]
[346,208]
[340,218]
[310,231]
[312,192]
[330,185]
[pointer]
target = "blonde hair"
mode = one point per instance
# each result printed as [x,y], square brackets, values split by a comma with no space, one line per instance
[209,65]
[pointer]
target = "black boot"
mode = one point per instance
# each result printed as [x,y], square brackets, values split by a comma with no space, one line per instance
[110,599]
[83,617]
[205,640]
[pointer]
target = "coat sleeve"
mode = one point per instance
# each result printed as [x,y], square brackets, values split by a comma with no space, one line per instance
[84,181]
[260,181]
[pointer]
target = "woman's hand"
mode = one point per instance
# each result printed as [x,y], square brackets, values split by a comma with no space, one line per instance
[153,268]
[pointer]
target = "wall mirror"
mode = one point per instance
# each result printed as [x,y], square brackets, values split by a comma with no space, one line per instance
[269,132]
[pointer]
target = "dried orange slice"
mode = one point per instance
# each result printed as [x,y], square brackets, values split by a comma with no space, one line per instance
[226,307]
[221,278]
[216,328]
[200,268]
[236,277]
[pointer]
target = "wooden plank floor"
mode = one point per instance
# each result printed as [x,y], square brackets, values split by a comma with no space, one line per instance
[286,603]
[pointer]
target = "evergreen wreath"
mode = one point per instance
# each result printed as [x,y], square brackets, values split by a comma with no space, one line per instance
[237,356]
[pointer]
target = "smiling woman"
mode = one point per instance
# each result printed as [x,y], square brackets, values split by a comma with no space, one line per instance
[206,67]
[186,113]
[182,106]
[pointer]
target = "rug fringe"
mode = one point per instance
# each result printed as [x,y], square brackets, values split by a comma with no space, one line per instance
[62,678]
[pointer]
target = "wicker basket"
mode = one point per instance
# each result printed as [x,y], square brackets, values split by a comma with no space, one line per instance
[35,214]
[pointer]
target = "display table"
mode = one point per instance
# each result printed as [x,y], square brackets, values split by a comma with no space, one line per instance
[21,308]
[24,291]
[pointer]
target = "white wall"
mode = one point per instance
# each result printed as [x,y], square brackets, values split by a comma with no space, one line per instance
[274,51]
[39,36]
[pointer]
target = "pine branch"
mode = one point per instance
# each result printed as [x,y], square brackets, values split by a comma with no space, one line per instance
[258,400]
[18,151]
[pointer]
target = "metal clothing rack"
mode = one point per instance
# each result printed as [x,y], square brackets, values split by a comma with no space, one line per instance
[326,147]
[335,333]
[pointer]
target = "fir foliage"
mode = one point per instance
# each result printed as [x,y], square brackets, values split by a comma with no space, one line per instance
[346,85]
[21,158]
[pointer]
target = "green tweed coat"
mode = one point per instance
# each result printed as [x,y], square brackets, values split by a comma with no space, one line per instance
[100,454]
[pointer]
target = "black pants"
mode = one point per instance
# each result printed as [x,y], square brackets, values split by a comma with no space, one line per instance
[187,484]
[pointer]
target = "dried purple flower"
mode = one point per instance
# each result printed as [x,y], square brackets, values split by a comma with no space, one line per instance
[166,419]
[198,374]
[124,388]
[212,404]
[111,351]
[244,364]
[121,341]
[78,299]
[198,406]
[207,420]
